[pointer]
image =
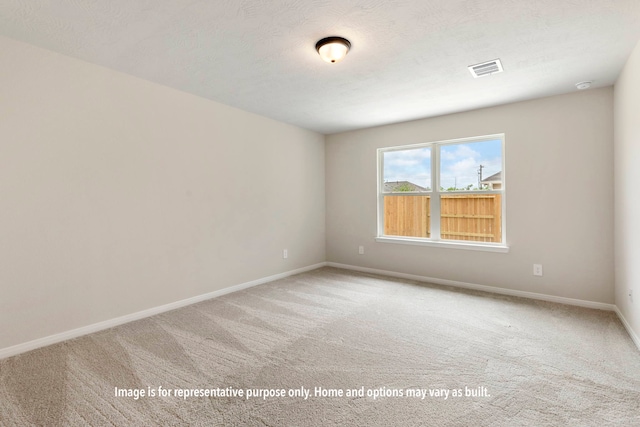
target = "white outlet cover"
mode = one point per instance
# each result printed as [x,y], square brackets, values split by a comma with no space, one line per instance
[537,269]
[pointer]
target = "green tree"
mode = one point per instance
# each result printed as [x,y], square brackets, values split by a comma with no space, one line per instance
[405,186]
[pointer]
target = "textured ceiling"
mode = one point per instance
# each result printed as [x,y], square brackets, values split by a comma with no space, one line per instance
[408,60]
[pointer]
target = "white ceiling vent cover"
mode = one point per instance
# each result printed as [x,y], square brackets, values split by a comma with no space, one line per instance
[486,68]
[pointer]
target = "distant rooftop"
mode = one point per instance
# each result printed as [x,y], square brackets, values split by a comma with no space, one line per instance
[401,186]
[496,177]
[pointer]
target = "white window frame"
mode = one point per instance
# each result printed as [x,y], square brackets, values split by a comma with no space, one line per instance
[436,193]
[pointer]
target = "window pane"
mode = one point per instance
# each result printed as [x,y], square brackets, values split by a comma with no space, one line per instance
[407,216]
[472,217]
[407,170]
[471,166]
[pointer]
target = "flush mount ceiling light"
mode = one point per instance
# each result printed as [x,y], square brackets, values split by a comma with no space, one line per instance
[583,85]
[333,49]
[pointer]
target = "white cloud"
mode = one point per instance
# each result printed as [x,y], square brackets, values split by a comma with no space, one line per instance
[458,151]
[413,165]
[407,157]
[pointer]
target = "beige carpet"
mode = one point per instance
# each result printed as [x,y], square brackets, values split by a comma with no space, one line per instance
[529,363]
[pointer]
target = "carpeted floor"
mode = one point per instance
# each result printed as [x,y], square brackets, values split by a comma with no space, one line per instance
[474,359]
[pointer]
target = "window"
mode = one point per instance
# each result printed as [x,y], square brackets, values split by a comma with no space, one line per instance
[443,193]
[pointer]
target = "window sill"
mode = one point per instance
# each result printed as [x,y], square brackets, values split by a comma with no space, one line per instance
[444,244]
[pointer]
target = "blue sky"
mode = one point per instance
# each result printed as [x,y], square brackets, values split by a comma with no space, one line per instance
[459,163]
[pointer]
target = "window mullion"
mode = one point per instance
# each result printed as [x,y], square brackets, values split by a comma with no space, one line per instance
[380,193]
[435,192]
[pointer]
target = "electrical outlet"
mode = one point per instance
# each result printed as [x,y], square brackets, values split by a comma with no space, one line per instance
[361,250]
[285,254]
[537,269]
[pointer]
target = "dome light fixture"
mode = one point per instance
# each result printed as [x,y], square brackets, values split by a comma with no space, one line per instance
[333,49]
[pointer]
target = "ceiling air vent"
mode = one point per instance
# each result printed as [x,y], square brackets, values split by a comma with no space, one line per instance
[486,68]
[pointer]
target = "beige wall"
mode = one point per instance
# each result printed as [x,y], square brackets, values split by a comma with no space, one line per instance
[118,195]
[559,171]
[627,193]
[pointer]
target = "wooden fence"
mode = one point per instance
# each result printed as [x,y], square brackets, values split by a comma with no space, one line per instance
[470,217]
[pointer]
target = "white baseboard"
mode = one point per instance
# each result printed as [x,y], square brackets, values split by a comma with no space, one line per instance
[634,337]
[495,290]
[96,327]
[492,289]
[85,330]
